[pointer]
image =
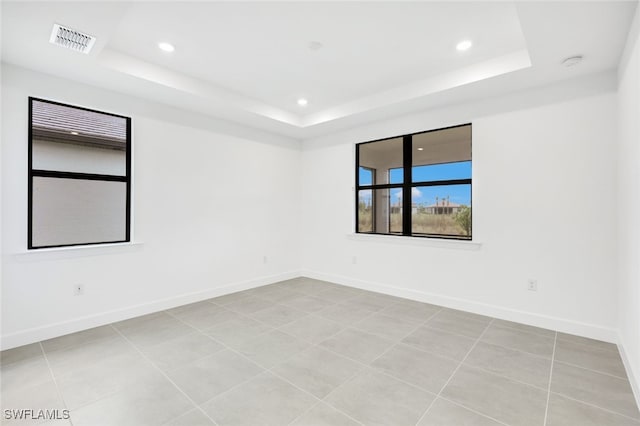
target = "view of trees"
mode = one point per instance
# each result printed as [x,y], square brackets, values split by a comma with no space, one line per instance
[423,221]
[365,217]
[463,219]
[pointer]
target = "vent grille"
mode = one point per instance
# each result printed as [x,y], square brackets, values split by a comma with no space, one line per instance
[71,39]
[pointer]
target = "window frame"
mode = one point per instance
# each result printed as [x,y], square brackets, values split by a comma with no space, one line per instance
[373,199]
[407,185]
[31,173]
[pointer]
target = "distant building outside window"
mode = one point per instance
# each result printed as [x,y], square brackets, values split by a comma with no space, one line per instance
[433,168]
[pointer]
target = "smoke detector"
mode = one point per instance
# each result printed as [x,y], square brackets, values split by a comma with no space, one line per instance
[71,39]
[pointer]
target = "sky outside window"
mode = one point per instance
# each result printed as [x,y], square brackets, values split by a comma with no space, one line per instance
[459,194]
[365,176]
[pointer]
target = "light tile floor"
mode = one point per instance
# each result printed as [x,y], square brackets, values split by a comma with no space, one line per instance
[307,352]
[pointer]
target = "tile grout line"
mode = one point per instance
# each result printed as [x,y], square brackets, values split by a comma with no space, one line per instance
[405,336]
[304,412]
[55,382]
[549,335]
[515,350]
[320,401]
[553,356]
[302,294]
[369,367]
[473,410]
[265,370]
[423,324]
[353,325]
[200,358]
[635,419]
[271,329]
[307,313]
[613,376]
[135,350]
[490,343]
[198,330]
[201,332]
[373,334]
[456,370]
[96,399]
[198,406]
[163,374]
[426,351]
[588,345]
[364,366]
[348,326]
[493,373]
[317,345]
[511,379]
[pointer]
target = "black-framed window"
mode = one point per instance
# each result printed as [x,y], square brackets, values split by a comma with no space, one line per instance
[366,207]
[79,168]
[434,167]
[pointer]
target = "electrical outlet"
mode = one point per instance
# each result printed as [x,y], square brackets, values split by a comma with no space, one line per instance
[532,285]
[265,260]
[78,290]
[354,260]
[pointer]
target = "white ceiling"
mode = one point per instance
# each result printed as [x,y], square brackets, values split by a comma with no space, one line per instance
[250,62]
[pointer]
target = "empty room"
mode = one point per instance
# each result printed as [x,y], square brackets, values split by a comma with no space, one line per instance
[320,213]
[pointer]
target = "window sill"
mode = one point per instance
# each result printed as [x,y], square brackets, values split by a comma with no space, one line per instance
[417,241]
[77,251]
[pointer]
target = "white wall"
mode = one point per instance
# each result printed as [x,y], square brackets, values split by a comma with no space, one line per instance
[544,205]
[548,147]
[208,206]
[629,203]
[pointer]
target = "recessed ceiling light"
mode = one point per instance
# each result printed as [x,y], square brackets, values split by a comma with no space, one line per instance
[464,45]
[572,60]
[420,149]
[167,47]
[302,102]
[74,133]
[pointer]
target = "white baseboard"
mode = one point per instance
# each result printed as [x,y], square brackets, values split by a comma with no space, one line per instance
[38,334]
[61,328]
[633,372]
[544,321]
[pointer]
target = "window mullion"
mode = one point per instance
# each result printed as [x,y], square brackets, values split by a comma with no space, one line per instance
[357,191]
[129,177]
[407,162]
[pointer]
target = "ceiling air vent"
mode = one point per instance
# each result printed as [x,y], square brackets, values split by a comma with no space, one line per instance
[71,39]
